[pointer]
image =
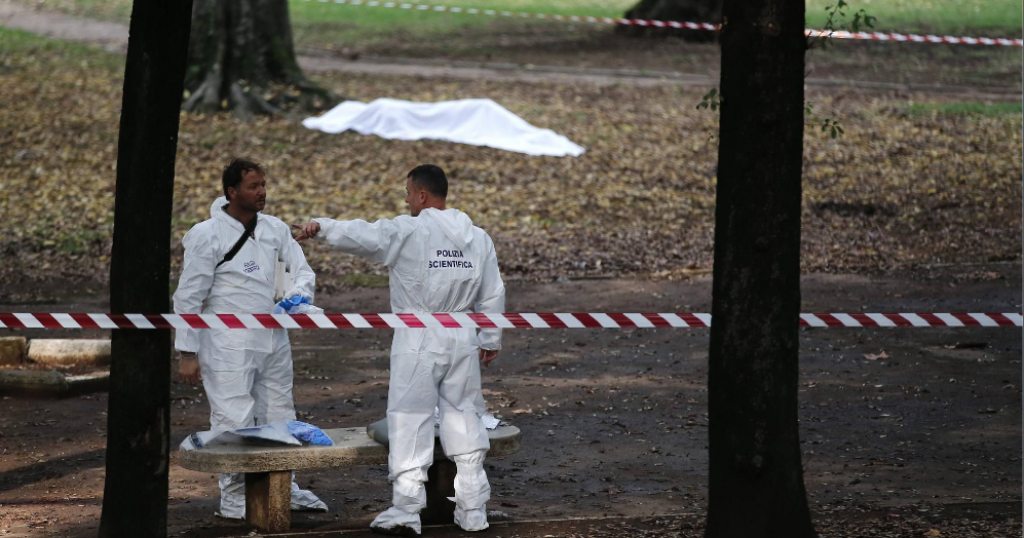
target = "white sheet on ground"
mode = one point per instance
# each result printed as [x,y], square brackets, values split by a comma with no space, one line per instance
[480,122]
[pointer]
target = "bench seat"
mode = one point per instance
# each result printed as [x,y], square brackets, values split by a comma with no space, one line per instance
[268,470]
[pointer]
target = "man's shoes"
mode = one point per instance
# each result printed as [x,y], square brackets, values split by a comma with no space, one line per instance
[471,520]
[397,522]
[226,515]
[397,530]
[318,506]
[304,501]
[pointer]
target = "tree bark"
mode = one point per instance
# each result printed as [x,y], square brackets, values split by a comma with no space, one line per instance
[709,11]
[138,423]
[242,59]
[756,479]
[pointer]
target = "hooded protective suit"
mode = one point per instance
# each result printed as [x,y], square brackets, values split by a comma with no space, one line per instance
[247,373]
[438,262]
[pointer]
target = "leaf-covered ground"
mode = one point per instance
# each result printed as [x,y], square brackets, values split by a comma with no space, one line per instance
[907,185]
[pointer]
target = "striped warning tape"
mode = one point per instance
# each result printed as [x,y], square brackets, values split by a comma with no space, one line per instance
[476,321]
[873,36]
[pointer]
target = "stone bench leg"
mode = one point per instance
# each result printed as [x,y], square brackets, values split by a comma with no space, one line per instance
[440,485]
[268,499]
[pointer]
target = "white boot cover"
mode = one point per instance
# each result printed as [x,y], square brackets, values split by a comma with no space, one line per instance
[409,497]
[304,500]
[232,495]
[472,491]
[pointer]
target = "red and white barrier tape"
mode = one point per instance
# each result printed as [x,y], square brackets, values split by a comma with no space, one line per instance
[475,321]
[874,36]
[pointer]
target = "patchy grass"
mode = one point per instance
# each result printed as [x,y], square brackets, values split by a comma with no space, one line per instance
[897,190]
[967,108]
[29,47]
[1003,17]
[361,31]
[350,24]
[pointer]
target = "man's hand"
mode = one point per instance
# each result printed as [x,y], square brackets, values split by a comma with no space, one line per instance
[309,229]
[188,369]
[488,355]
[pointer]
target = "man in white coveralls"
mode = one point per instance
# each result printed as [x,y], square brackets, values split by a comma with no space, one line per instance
[438,262]
[229,268]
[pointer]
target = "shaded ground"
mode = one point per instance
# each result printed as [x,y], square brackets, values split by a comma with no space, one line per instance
[615,421]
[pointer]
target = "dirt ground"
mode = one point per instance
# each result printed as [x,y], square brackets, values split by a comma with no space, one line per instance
[614,421]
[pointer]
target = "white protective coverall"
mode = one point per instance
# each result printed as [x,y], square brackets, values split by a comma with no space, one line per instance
[438,262]
[247,373]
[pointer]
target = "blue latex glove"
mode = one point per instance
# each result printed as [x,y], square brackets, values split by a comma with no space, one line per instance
[309,433]
[286,305]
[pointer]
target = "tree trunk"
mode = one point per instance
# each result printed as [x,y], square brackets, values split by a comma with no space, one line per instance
[709,11]
[756,480]
[138,423]
[242,59]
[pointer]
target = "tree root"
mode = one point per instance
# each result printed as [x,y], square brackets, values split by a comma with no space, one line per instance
[299,98]
[304,95]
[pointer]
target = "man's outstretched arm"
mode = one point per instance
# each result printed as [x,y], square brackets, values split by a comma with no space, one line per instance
[378,242]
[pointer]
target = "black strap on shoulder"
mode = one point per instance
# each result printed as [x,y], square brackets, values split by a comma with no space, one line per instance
[250,229]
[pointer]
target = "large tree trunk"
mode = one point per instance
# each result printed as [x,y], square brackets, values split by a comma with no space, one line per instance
[138,423]
[242,59]
[756,480]
[709,11]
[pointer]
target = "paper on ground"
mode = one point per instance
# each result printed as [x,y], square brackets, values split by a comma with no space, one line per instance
[489,421]
[479,122]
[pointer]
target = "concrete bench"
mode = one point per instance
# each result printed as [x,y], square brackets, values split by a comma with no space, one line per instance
[268,470]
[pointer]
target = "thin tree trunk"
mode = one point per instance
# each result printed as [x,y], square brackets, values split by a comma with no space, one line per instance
[242,58]
[709,11]
[138,429]
[756,479]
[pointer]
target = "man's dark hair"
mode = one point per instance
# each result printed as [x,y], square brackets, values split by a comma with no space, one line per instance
[430,178]
[234,172]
